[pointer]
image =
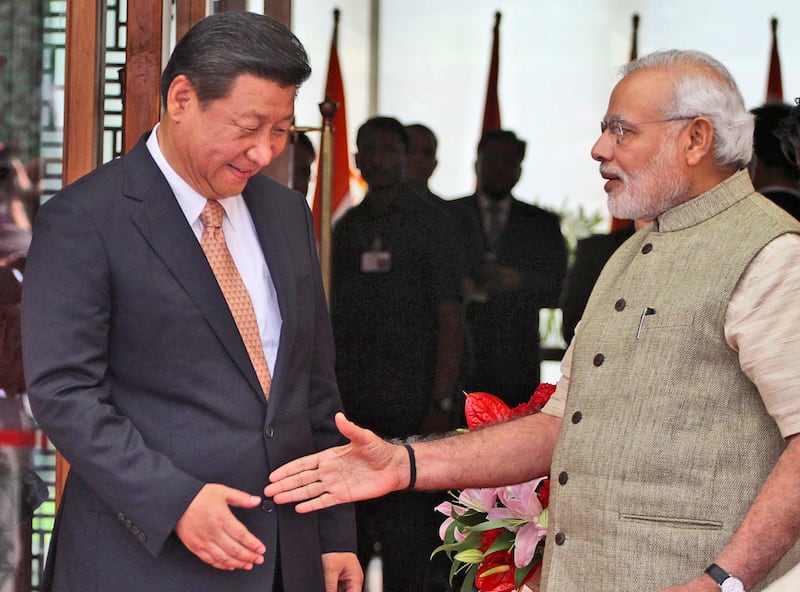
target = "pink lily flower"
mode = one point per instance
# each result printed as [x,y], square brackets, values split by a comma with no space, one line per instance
[520,503]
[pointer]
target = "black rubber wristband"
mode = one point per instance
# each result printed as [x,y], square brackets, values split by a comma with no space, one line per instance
[412,461]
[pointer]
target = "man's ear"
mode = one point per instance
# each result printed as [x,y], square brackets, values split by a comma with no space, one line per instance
[180,96]
[700,140]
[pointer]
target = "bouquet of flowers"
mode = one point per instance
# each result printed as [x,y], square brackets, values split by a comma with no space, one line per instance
[496,536]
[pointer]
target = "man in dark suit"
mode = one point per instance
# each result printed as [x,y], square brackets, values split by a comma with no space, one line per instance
[136,369]
[516,263]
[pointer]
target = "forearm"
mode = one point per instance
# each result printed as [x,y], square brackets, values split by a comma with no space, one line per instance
[471,459]
[771,526]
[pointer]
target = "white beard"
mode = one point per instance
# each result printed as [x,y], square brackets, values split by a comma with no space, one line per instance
[654,189]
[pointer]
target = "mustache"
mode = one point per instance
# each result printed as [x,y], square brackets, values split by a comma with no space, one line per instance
[609,170]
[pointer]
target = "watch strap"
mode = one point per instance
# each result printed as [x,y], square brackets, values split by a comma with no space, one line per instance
[717,574]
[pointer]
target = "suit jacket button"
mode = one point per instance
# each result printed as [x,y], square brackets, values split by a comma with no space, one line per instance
[577,417]
[598,360]
[269,432]
[142,537]
[128,524]
[647,248]
[267,506]
[563,478]
[619,305]
[560,538]
[121,517]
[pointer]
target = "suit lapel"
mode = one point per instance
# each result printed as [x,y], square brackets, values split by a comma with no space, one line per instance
[162,223]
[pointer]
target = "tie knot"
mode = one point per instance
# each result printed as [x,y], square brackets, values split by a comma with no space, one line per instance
[211,216]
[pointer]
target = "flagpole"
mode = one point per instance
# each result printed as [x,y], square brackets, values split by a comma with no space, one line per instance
[328,109]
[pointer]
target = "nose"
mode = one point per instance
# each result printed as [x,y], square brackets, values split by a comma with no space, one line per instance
[603,147]
[263,150]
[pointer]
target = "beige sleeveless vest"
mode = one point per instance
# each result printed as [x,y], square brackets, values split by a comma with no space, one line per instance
[665,442]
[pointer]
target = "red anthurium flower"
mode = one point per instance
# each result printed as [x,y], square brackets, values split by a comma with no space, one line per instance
[542,394]
[489,537]
[496,573]
[482,409]
[544,493]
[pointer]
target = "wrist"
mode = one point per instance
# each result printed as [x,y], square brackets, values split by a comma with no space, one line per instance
[412,466]
[723,581]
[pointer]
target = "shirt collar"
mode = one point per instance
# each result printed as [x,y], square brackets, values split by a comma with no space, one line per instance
[504,204]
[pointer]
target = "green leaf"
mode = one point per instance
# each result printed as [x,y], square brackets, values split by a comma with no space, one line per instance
[503,542]
[544,517]
[469,579]
[522,572]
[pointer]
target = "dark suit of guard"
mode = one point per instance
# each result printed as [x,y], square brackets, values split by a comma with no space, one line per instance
[504,328]
[138,375]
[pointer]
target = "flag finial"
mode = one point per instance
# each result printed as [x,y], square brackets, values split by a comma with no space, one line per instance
[774,82]
[635,37]
[497,16]
[336,14]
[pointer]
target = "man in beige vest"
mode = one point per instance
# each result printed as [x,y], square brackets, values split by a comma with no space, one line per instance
[671,435]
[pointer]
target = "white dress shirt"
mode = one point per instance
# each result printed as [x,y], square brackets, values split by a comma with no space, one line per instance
[242,240]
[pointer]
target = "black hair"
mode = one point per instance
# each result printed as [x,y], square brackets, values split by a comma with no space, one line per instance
[223,46]
[499,135]
[766,145]
[425,129]
[788,132]
[387,124]
[302,139]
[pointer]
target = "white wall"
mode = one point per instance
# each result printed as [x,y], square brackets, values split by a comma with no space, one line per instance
[558,62]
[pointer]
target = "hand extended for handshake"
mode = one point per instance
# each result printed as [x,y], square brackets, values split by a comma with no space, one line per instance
[366,468]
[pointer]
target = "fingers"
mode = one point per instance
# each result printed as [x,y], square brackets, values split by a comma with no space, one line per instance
[212,532]
[294,468]
[240,499]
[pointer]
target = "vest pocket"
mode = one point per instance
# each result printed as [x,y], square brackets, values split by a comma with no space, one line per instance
[672,522]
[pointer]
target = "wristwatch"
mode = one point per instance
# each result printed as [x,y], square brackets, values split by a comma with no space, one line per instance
[727,582]
[443,405]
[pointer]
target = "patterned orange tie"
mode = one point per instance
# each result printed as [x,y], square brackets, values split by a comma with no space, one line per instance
[233,288]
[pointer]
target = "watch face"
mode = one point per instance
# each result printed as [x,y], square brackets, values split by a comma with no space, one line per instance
[732,585]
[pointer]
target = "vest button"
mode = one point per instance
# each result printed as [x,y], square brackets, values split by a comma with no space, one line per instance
[577,417]
[560,538]
[598,360]
[619,305]
[563,478]
[647,248]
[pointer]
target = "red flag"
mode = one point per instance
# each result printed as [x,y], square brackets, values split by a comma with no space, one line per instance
[774,83]
[617,223]
[491,111]
[334,90]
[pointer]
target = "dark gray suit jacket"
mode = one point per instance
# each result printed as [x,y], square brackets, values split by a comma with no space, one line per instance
[137,373]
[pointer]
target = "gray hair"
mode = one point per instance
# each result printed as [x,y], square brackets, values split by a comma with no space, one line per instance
[703,86]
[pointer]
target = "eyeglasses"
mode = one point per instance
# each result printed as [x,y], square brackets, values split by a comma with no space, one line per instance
[619,127]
